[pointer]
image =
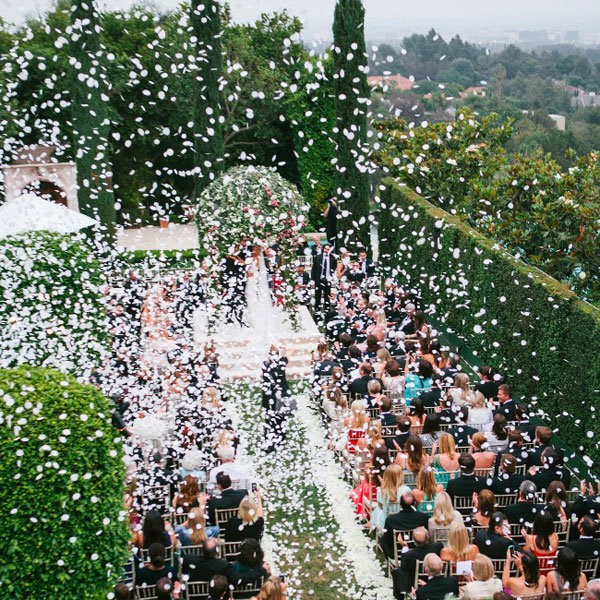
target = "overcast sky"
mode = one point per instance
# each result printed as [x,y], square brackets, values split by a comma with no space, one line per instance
[397,15]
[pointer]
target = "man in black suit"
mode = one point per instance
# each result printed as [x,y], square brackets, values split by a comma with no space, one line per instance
[507,482]
[515,448]
[396,347]
[488,385]
[543,439]
[323,269]
[462,433]
[360,386]
[228,498]
[386,416]
[431,397]
[437,586]
[586,547]
[367,266]
[495,541]
[467,482]
[403,425]
[345,340]
[207,564]
[524,511]
[352,362]
[407,518]
[452,369]
[448,416]
[507,405]
[524,425]
[407,322]
[404,575]
[552,469]
[301,287]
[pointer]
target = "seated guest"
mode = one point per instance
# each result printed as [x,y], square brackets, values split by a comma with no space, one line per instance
[372,347]
[506,405]
[386,416]
[479,413]
[239,473]
[451,369]
[551,470]
[373,396]
[207,564]
[524,425]
[444,514]
[484,505]
[558,503]
[156,569]
[529,581]
[482,583]
[187,496]
[403,425]
[352,363]
[383,357]
[407,518]
[155,530]
[228,497]
[592,590]
[404,575]
[487,385]
[461,393]
[249,522]
[431,398]
[393,379]
[426,490]
[507,482]
[192,532]
[334,404]
[438,586]
[496,541]
[497,436]
[218,588]
[524,511]
[413,457]
[459,548]
[462,433]
[416,383]
[167,590]
[249,566]
[543,542]
[446,459]
[586,547]
[484,459]
[356,424]
[515,448]
[543,439]
[416,413]
[467,482]
[273,589]
[431,430]
[567,577]
[388,496]
[359,387]
[448,416]
[345,343]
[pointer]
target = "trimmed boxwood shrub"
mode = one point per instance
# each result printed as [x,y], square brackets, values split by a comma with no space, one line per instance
[517,318]
[61,488]
[52,310]
[164,259]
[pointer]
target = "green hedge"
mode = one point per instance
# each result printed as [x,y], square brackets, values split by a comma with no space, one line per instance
[513,316]
[61,488]
[52,310]
[166,259]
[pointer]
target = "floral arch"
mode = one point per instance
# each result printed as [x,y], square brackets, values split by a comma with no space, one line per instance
[257,204]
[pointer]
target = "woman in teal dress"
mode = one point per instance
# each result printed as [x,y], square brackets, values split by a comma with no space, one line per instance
[417,383]
[388,496]
[426,490]
[445,461]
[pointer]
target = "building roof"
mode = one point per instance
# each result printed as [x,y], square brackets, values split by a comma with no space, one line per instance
[392,81]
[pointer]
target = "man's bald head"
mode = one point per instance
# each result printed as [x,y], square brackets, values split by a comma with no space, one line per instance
[420,536]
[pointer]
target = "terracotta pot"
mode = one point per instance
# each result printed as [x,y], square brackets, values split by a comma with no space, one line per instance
[163,222]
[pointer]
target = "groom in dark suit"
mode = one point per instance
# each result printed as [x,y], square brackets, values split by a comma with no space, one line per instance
[323,269]
[233,282]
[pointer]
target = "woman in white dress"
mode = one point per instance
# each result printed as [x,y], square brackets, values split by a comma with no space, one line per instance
[479,414]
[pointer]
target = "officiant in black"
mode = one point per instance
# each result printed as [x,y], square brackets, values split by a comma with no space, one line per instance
[276,397]
[233,281]
[330,215]
[323,268]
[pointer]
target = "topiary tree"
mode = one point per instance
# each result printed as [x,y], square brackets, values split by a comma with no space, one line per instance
[91,125]
[61,488]
[52,310]
[351,101]
[208,128]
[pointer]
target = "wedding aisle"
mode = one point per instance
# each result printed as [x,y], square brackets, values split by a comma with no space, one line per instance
[313,536]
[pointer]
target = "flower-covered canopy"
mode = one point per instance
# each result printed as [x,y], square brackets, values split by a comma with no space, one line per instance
[250,202]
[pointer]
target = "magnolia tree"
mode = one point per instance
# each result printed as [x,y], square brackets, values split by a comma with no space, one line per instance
[256,204]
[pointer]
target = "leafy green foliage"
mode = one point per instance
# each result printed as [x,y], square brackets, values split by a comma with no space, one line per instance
[52,311]
[517,318]
[351,105]
[61,498]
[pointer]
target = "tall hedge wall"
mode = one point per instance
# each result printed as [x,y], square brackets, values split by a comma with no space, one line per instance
[514,317]
[52,310]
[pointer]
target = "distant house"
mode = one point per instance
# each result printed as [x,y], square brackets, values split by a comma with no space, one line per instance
[473,91]
[396,82]
[585,99]
[560,121]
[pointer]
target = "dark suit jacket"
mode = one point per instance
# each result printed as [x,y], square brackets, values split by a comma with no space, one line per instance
[324,367]
[229,498]
[544,477]
[404,575]
[465,485]
[318,265]
[522,512]
[349,364]
[586,548]
[494,545]
[488,388]
[507,409]
[399,439]
[527,430]
[387,419]
[431,397]
[436,588]
[203,569]
[359,386]
[405,519]
[535,456]
[506,484]
[462,433]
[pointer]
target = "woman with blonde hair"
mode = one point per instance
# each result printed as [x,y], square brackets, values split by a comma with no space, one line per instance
[383,356]
[484,459]
[211,398]
[479,413]
[334,403]
[426,490]
[356,424]
[272,589]
[482,581]
[458,548]
[413,456]
[373,437]
[446,459]
[461,393]
[444,514]
[388,496]
[193,530]
[249,522]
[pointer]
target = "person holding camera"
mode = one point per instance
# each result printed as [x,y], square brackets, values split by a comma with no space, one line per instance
[330,215]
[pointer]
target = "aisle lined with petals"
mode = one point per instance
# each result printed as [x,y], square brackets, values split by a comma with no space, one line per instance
[313,536]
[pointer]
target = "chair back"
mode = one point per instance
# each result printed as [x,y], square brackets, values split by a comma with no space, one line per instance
[230,550]
[504,500]
[249,589]
[408,539]
[389,431]
[146,592]
[169,555]
[486,472]
[196,590]
[410,479]
[463,504]
[589,566]
[463,449]
[222,516]
[179,518]
[441,534]
[444,477]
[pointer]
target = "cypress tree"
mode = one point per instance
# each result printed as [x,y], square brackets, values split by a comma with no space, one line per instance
[208,128]
[351,103]
[91,125]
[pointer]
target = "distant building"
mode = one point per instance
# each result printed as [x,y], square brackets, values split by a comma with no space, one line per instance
[534,37]
[584,99]
[473,91]
[396,82]
[560,120]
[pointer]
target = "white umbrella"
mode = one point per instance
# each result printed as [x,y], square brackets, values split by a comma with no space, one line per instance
[31,213]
